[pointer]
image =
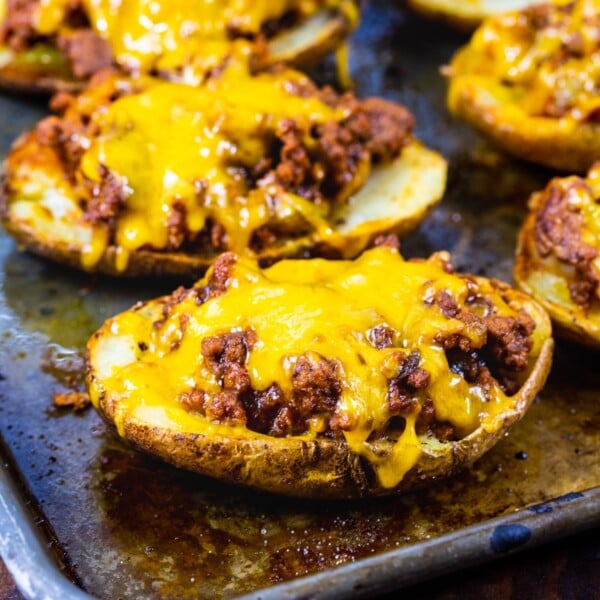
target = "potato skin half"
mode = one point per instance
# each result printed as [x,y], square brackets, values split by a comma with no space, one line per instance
[562,144]
[570,320]
[319,468]
[421,179]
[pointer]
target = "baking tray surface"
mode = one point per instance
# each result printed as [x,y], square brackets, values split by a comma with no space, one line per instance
[122,525]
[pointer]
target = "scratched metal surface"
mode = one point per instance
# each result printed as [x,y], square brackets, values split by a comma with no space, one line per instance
[126,526]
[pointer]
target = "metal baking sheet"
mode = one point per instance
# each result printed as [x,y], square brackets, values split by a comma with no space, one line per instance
[121,525]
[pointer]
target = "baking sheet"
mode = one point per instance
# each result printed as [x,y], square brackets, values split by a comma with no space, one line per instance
[123,525]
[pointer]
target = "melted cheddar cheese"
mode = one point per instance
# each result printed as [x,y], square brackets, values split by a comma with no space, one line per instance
[175,36]
[545,59]
[296,307]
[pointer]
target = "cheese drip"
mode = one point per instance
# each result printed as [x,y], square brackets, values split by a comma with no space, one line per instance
[298,307]
[172,144]
[151,35]
[549,69]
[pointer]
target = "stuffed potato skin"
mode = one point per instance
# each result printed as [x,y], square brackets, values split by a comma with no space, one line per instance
[537,101]
[556,257]
[56,46]
[323,424]
[103,189]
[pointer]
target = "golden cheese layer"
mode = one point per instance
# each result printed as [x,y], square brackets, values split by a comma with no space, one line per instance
[174,35]
[546,59]
[298,307]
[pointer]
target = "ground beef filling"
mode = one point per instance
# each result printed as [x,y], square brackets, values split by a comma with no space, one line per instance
[87,53]
[575,44]
[375,131]
[313,403]
[316,384]
[557,232]
[503,355]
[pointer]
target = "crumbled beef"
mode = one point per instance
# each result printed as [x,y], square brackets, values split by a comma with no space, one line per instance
[401,396]
[268,412]
[341,151]
[389,127]
[194,399]
[176,226]
[107,198]
[295,164]
[427,424]
[447,304]
[77,401]
[225,407]
[509,340]
[66,137]
[86,51]
[178,296]
[223,353]
[504,351]
[220,275]
[17,29]
[557,232]
[316,385]
[321,169]
[381,336]
[315,390]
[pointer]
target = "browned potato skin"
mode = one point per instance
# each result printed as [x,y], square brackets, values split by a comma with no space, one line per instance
[554,143]
[42,81]
[30,81]
[570,320]
[323,468]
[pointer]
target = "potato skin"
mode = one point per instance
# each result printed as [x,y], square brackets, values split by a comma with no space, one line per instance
[423,170]
[570,320]
[562,144]
[318,468]
[39,79]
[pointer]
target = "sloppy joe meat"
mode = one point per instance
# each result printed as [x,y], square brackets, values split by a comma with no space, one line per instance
[558,233]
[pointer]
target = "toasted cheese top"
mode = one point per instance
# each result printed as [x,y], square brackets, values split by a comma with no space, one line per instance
[146,358]
[545,59]
[151,35]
